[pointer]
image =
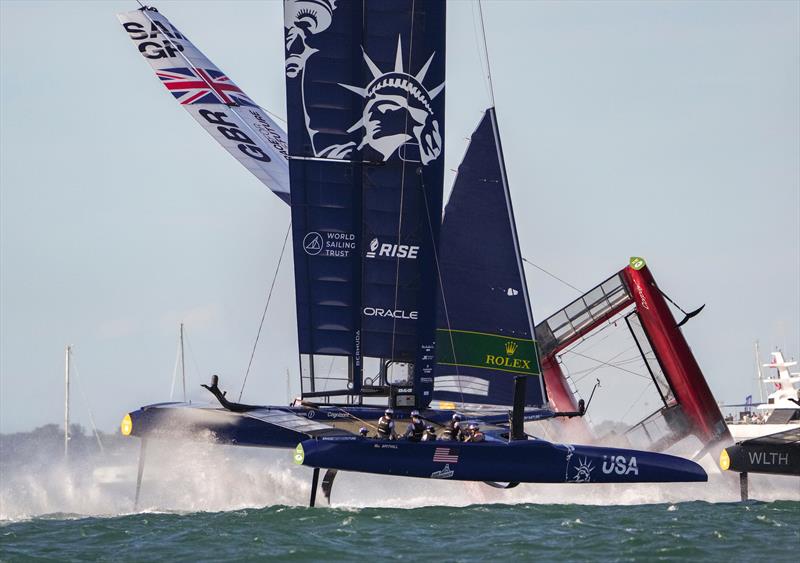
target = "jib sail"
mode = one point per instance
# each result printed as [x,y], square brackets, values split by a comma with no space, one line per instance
[365,91]
[485,335]
[229,115]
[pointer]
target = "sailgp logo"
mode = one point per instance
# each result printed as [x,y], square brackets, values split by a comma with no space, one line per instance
[376,248]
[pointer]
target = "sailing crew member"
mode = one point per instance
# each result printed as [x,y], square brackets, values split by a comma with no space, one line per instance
[475,434]
[386,425]
[429,435]
[453,429]
[416,428]
[363,432]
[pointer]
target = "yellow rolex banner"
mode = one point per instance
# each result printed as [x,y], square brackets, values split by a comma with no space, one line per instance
[490,351]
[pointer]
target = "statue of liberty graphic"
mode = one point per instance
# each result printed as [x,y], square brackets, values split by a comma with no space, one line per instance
[397,116]
[301,20]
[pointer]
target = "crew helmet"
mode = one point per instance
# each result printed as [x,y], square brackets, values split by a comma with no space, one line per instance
[429,428]
[389,412]
[473,426]
[415,414]
[456,416]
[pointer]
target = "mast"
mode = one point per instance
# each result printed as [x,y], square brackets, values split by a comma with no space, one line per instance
[183,367]
[759,376]
[66,401]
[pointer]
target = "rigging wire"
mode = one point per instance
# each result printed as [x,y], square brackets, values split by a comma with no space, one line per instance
[486,53]
[76,379]
[441,287]
[609,364]
[192,354]
[175,371]
[402,183]
[264,314]
[552,275]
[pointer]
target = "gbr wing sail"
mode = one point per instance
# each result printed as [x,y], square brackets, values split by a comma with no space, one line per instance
[229,115]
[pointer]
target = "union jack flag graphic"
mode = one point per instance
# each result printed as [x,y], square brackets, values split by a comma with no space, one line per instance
[198,86]
[445,455]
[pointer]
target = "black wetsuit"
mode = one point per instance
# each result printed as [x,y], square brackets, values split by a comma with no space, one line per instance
[415,431]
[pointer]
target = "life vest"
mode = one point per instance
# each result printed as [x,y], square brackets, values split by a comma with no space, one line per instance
[415,431]
[385,427]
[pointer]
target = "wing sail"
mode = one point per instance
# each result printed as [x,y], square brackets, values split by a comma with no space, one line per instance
[229,115]
[365,97]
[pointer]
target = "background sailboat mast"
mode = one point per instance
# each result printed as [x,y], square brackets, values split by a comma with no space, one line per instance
[66,401]
[759,375]
[183,367]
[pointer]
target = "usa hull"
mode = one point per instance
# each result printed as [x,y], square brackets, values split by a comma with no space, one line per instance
[530,461]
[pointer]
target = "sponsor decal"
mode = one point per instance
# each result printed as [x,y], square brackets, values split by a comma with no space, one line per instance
[769,458]
[311,414]
[511,292]
[335,245]
[388,250]
[620,465]
[299,454]
[270,134]
[232,132]
[390,313]
[312,243]
[488,351]
[445,455]
[641,296]
[444,473]
[507,360]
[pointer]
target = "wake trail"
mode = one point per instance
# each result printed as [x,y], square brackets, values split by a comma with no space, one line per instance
[193,477]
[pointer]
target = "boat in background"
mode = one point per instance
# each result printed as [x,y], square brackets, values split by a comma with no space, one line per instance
[780,412]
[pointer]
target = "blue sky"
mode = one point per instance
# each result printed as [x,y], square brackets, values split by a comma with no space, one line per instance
[668,130]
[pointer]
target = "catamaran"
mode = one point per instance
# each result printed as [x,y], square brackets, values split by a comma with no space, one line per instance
[395,307]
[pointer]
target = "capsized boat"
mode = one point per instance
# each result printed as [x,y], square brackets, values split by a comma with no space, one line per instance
[379,309]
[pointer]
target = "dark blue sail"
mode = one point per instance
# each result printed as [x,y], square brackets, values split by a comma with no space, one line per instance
[485,335]
[365,90]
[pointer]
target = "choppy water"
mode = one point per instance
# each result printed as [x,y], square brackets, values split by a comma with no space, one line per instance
[223,503]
